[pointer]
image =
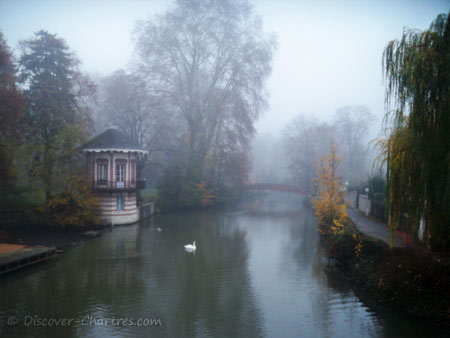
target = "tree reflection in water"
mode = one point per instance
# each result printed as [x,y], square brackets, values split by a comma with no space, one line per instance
[257,271]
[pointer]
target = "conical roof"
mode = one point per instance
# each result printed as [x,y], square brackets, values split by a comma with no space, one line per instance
[112,140]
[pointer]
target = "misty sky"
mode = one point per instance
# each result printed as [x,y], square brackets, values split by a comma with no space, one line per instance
[329,52]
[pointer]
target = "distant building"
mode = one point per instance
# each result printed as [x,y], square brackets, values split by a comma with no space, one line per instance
[111,168]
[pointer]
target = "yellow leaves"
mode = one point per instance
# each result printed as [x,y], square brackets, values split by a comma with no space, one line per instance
[358,246]
[338,225]
[73,206]
[329,205]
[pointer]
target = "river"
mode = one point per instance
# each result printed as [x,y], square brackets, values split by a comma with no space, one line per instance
[258,271]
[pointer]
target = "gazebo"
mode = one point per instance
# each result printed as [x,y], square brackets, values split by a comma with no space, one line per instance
[111,168]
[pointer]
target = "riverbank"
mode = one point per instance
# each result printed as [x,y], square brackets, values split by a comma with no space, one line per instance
[375,228]
[34,235]
[61,237]
[410,279]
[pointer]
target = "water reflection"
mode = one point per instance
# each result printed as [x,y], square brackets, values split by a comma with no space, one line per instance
[300,298]
[257,271]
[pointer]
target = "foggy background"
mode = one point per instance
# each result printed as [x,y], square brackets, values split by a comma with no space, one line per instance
[328,55]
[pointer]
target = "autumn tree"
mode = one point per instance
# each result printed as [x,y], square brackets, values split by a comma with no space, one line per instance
[329,205]
[209,60]
[58,120]
[417,151]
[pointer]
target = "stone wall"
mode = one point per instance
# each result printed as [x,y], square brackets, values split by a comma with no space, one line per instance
[107,208]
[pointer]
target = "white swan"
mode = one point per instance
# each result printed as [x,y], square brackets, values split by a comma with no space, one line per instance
[190,247]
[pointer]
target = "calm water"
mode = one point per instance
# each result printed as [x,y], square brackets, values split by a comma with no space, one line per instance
[258,271]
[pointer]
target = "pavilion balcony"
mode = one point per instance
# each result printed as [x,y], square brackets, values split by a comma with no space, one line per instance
[115,185]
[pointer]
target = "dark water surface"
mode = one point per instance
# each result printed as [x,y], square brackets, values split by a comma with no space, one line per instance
[259,271]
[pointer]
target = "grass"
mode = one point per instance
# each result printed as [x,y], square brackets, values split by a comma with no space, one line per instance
[148,194]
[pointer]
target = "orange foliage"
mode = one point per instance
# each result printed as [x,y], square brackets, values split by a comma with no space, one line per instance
[207,193]
[329,205]
[72,207]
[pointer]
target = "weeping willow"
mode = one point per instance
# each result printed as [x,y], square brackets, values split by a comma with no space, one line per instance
[417,73]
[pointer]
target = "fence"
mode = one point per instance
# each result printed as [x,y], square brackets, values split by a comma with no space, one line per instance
[364,204]
[351,199]
[146,210]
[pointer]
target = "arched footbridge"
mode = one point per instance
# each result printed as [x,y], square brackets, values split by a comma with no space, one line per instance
[275,187]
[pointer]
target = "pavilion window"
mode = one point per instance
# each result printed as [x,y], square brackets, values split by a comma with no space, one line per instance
[101,172]
[120,203]
[120,172]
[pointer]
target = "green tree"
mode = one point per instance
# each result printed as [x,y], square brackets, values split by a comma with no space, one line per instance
[377,187]
[179,188]
[58,120]
[12,123]
[11,115]
[417,71]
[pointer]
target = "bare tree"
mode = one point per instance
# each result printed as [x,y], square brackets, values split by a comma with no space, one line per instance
[126,104]
[268,160]
[208,60]
[306,140]
[300,149]
[352,124]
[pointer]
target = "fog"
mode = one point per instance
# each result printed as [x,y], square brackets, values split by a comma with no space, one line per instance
[199,116]
[328,54]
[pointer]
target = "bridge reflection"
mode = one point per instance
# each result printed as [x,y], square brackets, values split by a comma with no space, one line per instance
[275,187]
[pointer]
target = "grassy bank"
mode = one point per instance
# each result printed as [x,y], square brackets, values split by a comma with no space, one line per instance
[148,195]
[413,280]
